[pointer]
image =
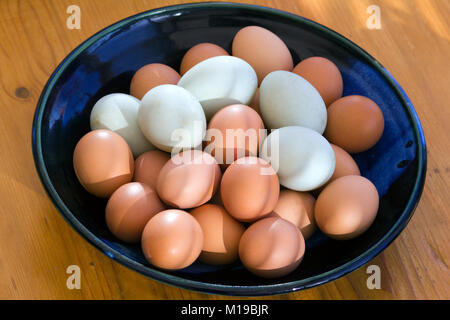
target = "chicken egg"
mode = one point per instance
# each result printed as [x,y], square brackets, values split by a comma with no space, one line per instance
[102,162]
[129,209]
[355,123]
[172,240]
[323,75]
[249,189]
[297,208]
[150,76]
[189,179]
[220,81]
[302,158]
[221,234]
[271,247]
[234,132]
[345,165]
[198,53]
[170,117]
[346,207]
[216,198]
[118,112]
[254,103]
[262,49]
[286,99]
[148,165]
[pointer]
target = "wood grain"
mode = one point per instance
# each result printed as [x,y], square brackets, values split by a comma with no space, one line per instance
[37,245]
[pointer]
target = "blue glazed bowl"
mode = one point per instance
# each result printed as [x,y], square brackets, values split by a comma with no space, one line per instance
[106,62]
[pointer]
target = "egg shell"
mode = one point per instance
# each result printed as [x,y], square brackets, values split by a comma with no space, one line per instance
[254,103]
[129,209]
[217,198]
[302,158]
[198,53]
[148,165]
[150,76]
[118,112]
[345,165]
[234,132]
[103,162]
[286,99]
[172,240]
[346,207]
[271,247]
[221,234]
[297,208]
[262,49]
[170,117]
[220,81]
[324,75]
[189,179]
[249,189]
[355,123]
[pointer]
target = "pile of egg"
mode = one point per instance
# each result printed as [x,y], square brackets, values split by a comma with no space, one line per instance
[184,200]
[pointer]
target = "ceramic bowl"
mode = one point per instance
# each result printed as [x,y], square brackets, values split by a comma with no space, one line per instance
[106,62]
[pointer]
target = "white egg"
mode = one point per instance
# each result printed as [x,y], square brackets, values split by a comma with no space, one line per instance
[303,159]
[286,99]
[118,112]
[171,117]
[220,81]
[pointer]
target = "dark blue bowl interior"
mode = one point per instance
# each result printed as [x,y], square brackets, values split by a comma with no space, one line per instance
[105,64]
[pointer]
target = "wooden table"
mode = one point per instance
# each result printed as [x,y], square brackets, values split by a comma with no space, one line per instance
[37,245]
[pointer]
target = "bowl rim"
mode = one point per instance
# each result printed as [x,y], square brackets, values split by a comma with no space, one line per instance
[211,288]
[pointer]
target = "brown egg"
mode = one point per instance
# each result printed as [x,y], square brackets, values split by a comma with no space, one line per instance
[323,75]
[249,189]
[198,53]
[254,104]
[345,165]
[216,198]
[346,207]
[221,234]
[263,50]
[355,123]
[237,133]
[297,208]
[217,180]
[130,208]
[172,240]
[148,165]
[103,162]
[150,76]
[189,179]
[271,247]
